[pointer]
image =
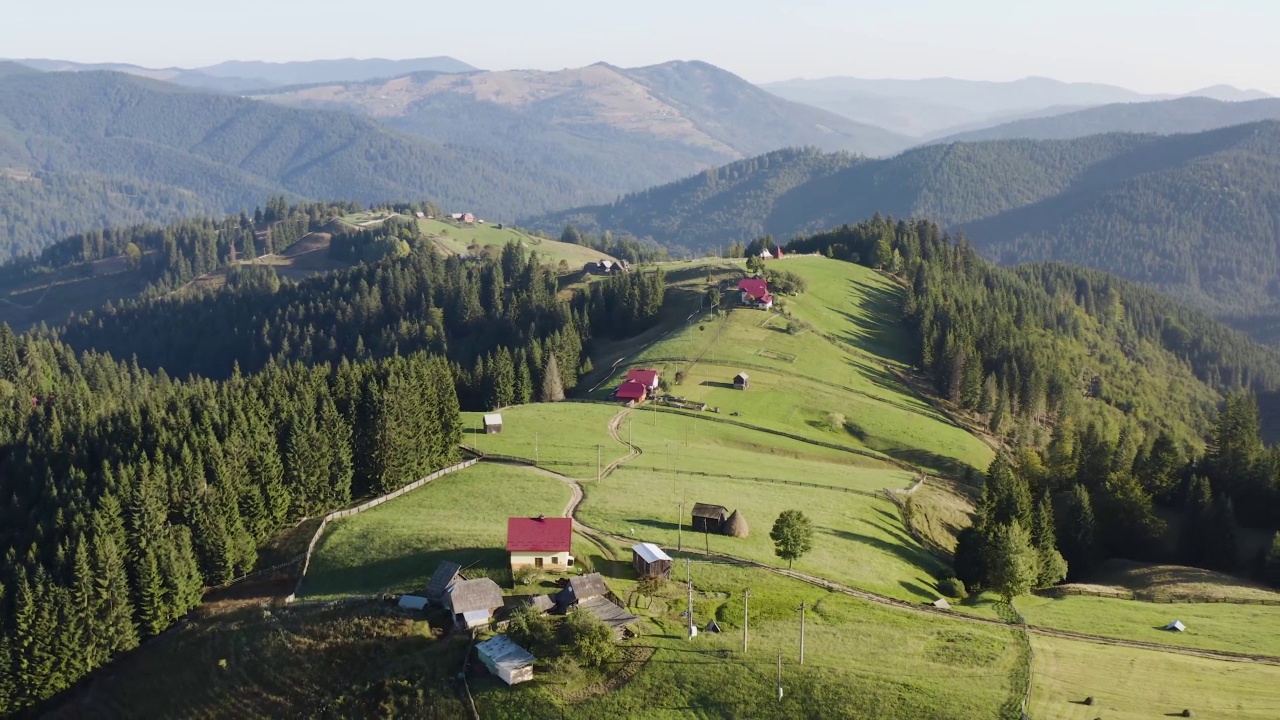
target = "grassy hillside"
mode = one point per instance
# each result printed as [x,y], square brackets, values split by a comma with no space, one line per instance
[1192,215]
[189,152]
[1129,684]
[454,239]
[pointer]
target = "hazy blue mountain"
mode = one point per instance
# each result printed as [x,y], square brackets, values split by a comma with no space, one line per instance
[86,149]
[1196,215]
[935,107]
[618,129]
[343,70]
[1189,114]
[178,76]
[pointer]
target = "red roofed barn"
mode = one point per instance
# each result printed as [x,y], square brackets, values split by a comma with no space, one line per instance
[540,542]
[631,391]
[648,378]
[755,292]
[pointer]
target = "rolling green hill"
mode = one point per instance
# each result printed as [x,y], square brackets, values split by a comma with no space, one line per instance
[1194,215]
[83,150]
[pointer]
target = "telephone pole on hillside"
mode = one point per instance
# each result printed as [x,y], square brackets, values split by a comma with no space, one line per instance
[802,604]
[746,598]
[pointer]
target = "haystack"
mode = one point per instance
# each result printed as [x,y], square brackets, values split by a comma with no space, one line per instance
[736,525]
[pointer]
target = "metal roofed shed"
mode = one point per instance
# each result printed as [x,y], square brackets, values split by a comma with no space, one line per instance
[492,423]
[942,604]
[740,381]
[1176,626]
[504,658]
[650,561]
[412,602]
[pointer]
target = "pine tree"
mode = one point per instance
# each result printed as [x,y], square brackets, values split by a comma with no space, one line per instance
[1053,567]
[552,387]
[1013,565]
[1077,530]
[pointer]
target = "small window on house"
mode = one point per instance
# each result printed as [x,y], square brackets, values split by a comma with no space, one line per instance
[570,563]
[555,560]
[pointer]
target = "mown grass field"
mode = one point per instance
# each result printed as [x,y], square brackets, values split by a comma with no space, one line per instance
[460,517]
[1250,629]
[861,660]
[560,436]
[805,382]
[1130,684]
[859,539]
[456,240]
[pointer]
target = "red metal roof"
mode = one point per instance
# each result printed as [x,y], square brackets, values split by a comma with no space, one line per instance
[631,390]
[757,288]
[648,378]
[539,534]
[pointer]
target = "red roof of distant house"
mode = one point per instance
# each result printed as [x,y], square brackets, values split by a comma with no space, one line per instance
[631,390]
[540,534]
[779,252]
[756,288]
[647,378]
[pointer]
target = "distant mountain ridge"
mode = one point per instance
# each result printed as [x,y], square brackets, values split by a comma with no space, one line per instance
[932,107]
[620,129]
[1196,215]
[1163,117]
[82,150]
[237,76]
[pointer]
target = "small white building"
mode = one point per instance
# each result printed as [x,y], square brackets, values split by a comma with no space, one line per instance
[412,602]
[1175,626]
[504,658]
[492,423]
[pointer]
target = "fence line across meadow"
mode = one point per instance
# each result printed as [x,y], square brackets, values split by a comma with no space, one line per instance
[368,505]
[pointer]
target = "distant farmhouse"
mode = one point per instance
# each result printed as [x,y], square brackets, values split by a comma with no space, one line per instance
[606,267]
[540,542]
[463,217]
[639,385]
[754,292]
[648,378]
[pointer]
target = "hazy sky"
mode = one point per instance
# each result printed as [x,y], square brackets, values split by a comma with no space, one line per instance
[1148,45]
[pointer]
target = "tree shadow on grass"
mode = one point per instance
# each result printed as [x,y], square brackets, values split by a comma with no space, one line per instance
[911,554]
[941,465]
[920,591]
[659,524]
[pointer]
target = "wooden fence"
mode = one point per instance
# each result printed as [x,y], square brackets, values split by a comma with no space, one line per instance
[369,505]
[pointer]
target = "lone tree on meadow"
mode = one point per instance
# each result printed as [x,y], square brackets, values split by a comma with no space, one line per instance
[552,385]
[792,535]
[1013,563]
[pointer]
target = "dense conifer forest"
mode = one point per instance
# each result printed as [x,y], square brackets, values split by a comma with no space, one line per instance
[128,492]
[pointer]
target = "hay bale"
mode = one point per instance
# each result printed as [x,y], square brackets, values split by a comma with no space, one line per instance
[1089,700]
[1186,713]
[736,525]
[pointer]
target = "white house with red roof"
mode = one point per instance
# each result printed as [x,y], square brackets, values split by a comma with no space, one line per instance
[755,292]
[631,391]
[648,378]
[540,542]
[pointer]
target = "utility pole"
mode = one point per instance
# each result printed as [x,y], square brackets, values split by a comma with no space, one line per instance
[597,463]
[679,528]
[689,579]
[746,598]
[779,675]
[802,632]
[629,434]
[535,449]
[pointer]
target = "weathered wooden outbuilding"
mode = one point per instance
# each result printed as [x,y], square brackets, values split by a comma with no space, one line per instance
[446,574]
[740,381]
[650,561]
[492,423]
[582,587]
[709,518]
[473,602]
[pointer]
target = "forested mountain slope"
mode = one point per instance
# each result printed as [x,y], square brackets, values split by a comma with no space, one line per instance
[621,129]
[1183,115]
[82,150]
[1196,215]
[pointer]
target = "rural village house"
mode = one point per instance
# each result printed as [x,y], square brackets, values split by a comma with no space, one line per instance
[650,561]
[588,592]
[472,602]
[646,377]
[754,292]
[540,542]
[631,392]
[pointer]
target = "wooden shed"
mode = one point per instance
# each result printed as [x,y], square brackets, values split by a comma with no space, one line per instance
[472,602]
[492,423]
[709,518]
[446,574]
[740,381]
[649,561]
[582,587]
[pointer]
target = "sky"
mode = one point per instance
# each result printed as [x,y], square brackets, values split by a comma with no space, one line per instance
[1145,45]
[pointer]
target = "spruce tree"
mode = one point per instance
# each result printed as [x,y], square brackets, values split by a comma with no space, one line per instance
[1053,567]
[1077,531]
[1013,564]
[552,387]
